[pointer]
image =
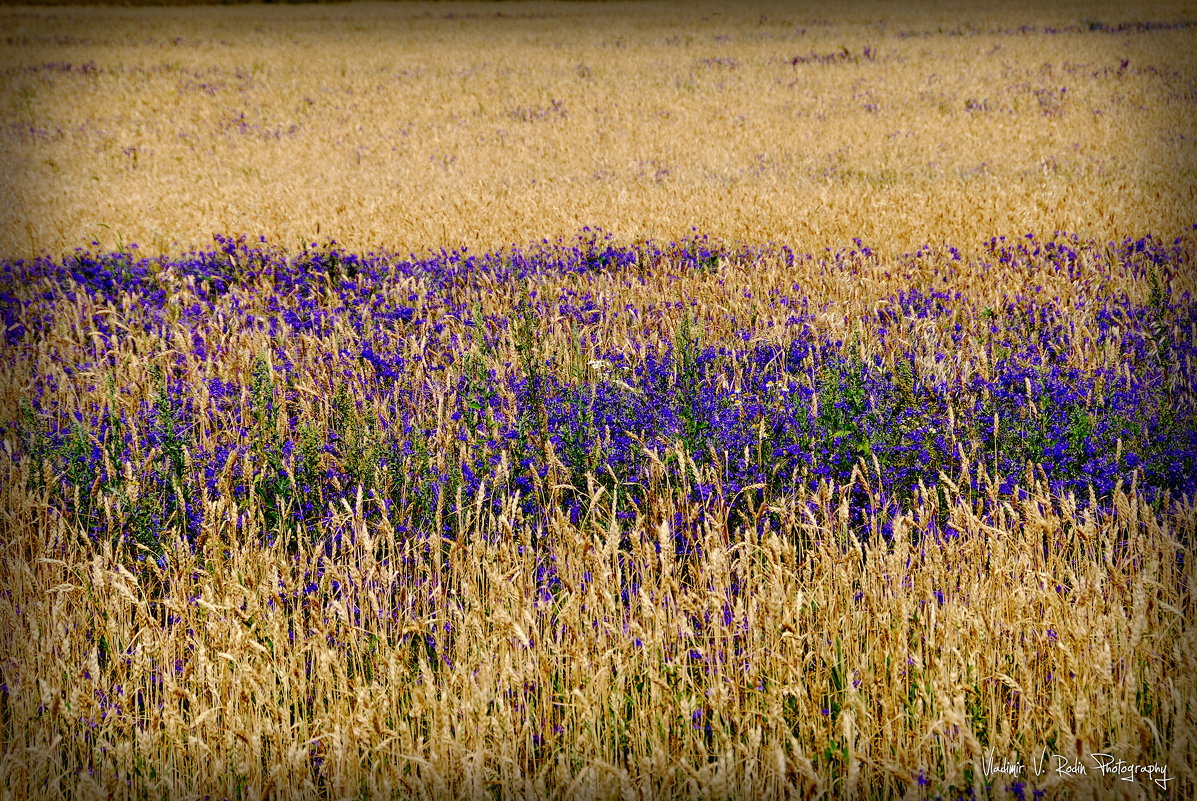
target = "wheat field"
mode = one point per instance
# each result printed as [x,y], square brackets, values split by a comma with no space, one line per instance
[598,400]
[410,126]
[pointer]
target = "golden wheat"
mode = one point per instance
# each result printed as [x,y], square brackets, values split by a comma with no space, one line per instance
[412,126]
[414,668]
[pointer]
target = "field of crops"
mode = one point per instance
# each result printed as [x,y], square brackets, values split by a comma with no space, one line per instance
[598,401]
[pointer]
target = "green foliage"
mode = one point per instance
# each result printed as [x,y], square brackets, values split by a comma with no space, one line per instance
[1080,426]
[272,485]
[174,447]
[1157,292]
[532,419]
[695,424]
[479,394]
[309,475]
[357,438]
[843,410]
[80,473]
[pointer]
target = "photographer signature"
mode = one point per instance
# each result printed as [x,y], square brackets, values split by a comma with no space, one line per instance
[1103,765]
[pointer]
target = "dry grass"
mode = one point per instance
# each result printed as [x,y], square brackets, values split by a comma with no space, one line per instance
[444,670]
[416,667]
[915,684]
[410,125]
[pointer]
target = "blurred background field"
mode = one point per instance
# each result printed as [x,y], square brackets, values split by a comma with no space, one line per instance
[412,125]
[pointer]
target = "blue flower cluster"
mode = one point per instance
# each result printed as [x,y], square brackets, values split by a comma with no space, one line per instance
[481,416]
